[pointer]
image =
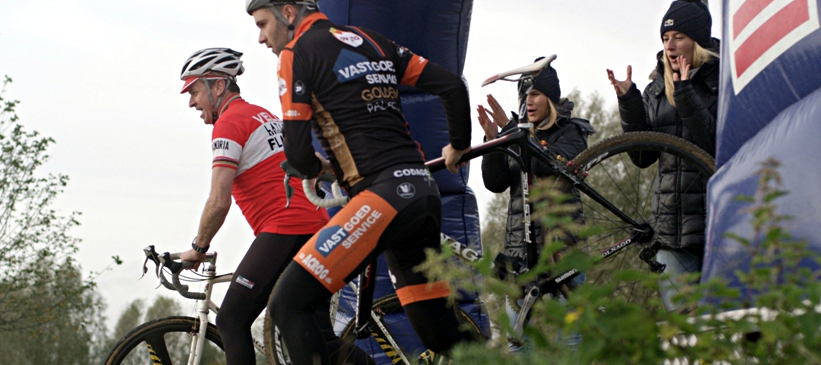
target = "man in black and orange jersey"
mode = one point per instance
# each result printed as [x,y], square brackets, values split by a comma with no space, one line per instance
[247,145]
[343,82]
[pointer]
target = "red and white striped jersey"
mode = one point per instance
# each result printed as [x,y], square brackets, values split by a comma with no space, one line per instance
[248,139]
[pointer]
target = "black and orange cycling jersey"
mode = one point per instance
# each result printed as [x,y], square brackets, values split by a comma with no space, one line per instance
[347,80]
[344,82]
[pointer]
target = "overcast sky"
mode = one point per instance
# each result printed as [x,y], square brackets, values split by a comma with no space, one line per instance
[102,79]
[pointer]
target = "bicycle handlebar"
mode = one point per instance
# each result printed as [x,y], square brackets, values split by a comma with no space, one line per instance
[315,199]
[170,261]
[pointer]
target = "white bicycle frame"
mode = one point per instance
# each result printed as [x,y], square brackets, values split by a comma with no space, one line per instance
[204,303]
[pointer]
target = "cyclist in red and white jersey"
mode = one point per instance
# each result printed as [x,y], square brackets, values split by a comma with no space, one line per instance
[343,82]
[247,145]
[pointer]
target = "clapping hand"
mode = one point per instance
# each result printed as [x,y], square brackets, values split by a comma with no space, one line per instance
[492,120]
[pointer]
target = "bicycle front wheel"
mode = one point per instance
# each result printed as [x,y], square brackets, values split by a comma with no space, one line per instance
[612,172]
[166,341]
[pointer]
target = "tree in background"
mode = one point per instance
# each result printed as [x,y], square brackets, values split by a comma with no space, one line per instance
[48,313]
[130,318]
[605,120]
[493,230]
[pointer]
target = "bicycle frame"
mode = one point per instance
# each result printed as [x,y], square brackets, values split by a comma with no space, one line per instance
[528,150]
[364,299]
[574,175]
[204,303]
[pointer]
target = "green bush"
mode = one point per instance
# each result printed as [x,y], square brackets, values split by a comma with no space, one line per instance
[783,330]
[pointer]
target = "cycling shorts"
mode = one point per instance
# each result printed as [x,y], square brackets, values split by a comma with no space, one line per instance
[398,213]
[262,265]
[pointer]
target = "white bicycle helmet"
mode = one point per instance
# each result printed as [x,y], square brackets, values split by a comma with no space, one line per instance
[209,60]
[212,64]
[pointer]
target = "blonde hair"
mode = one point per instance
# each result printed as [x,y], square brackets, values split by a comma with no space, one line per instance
[552,115]
[701,56]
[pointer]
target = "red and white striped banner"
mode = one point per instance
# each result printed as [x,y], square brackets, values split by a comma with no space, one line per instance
[761,30]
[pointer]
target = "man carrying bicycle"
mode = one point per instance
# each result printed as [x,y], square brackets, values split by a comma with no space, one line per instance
[343,81]
[247,145]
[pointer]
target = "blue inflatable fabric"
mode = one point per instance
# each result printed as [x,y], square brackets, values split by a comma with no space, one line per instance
[770,106]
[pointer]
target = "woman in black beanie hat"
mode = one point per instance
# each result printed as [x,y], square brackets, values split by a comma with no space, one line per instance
[541,104]
[552,125]
[682,100]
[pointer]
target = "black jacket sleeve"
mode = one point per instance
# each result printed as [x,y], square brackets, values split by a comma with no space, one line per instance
[496,168]
[634,118]
[632,111]
[299,150]
[694,114]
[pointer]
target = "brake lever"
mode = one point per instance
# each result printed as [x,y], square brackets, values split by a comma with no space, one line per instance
[145,268]
[160,264]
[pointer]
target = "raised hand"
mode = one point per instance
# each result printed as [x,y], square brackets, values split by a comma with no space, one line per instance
[684,69]
[492,120]
[491,131]
[498,114]
[621,87]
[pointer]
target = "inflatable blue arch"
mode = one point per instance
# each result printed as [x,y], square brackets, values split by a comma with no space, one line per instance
[770,106]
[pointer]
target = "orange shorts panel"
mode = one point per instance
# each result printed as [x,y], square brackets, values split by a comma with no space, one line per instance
[419,292]
[334,252]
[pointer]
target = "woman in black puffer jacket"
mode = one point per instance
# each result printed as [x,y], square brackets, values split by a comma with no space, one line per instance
[560,135]
[681,100]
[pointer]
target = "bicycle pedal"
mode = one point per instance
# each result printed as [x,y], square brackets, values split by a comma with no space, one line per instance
[431,358]
[426,358]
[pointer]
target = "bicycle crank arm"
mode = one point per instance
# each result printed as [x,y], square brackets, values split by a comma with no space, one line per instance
[532,295]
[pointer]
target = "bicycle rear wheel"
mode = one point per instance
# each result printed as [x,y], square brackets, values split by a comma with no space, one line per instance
[611,172]
[167,341]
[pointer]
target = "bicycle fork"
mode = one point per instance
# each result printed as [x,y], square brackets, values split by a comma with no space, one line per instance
[203,308]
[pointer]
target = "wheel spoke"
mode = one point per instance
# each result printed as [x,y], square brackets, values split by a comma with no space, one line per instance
[623,184]
[158,349]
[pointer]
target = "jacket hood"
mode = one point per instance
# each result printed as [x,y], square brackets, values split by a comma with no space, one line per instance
[564,109]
